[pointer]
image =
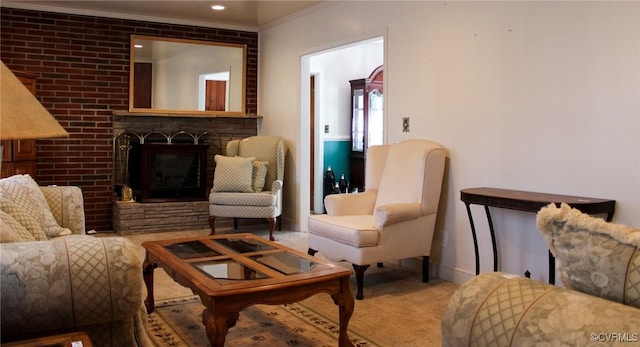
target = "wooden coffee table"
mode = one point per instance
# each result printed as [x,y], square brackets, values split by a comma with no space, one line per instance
[232,272]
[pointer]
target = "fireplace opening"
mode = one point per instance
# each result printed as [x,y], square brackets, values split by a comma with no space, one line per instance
[160,172]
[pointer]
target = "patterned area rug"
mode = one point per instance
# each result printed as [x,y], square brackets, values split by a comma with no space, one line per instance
[178,323]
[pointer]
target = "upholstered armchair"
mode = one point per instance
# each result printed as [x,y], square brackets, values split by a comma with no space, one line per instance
[394,218]
[248,181]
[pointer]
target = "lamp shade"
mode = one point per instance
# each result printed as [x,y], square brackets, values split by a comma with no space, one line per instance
[21,114]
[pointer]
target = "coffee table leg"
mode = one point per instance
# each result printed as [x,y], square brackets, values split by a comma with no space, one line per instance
[218,325]
[147,275]
[344,299]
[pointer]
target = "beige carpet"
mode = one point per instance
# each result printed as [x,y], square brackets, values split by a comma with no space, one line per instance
[397,310]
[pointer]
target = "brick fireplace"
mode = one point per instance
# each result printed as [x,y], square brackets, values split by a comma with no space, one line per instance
[155,215]
[82,68]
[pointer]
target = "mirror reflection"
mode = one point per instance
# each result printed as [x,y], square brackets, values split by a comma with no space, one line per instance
[179,76]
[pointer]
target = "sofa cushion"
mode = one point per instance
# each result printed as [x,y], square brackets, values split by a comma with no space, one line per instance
[593,256]
[12,231]
[233,174]
[24,218]
[259,175]
[242,199]
[496,309]
[25,192]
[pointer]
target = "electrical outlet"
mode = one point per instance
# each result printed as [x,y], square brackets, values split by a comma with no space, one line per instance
[405,124]
[326,128]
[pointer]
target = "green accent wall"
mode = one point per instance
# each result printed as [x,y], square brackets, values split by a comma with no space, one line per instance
[336,155]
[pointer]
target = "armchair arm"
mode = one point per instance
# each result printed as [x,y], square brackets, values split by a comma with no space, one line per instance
[67,206]
[350,204]
[396,213]
[276,186]
[68,283]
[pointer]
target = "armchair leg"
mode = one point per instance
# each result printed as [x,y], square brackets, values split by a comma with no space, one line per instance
[425,269]
[360,269]
[272,224]
[212,224]
[279,223]
[235,224]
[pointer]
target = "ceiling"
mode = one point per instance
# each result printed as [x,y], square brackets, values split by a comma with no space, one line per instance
[238,14]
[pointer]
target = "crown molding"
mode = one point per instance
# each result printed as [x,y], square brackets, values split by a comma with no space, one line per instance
[83,12]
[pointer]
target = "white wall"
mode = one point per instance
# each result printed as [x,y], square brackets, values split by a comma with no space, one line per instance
[539,96]
[334,69]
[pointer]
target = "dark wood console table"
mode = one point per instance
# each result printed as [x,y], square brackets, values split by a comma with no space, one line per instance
[529,202]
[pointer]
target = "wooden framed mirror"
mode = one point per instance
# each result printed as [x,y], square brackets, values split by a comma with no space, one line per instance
[178,76]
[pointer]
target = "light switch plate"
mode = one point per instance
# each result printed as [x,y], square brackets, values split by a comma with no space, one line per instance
[405,124]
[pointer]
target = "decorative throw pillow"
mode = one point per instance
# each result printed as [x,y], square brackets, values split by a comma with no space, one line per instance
[233,174]
[593,256]
[25,192]
[259,175]
[25,219]
[12,231]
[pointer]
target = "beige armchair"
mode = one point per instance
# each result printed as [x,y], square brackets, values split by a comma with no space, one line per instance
[393,219]
[248,181]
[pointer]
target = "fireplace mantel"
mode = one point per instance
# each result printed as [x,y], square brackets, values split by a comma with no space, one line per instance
[181,115]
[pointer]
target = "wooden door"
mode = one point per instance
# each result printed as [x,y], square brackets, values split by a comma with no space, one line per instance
[216,95]
[312,141]
[142,77]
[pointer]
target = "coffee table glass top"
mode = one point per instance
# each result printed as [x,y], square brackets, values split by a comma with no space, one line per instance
[238,258]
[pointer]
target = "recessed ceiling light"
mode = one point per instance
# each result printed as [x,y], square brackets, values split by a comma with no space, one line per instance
[217,7]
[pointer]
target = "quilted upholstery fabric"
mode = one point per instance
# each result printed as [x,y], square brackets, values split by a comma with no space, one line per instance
[71,283]
[496,309]
[76,282]
[243,199]
[264,204]
[26,219]
[233,174]
[67,206]
[25,192]
[12,231]
[259,175]
[593,256]
[264,148]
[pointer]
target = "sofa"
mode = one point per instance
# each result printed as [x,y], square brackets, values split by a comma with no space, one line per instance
[598,304]
[55,278]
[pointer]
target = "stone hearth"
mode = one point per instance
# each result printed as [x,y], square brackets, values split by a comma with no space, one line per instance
[138,218]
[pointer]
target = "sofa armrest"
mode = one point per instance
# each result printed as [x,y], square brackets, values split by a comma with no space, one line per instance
[350,204]
[67,283]
[67,206]
[501,310]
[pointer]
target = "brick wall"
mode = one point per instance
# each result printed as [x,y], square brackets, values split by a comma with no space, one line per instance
[83,68]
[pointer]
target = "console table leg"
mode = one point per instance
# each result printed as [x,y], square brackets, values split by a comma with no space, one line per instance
[475,239]
[493,239]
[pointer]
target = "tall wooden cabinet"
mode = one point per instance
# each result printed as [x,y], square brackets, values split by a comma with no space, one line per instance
[19,156]
[367,123]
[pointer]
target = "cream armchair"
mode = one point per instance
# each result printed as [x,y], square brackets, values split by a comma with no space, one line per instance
[248,181]
[393,219]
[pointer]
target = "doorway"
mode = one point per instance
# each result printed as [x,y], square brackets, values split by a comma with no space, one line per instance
[330,108]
